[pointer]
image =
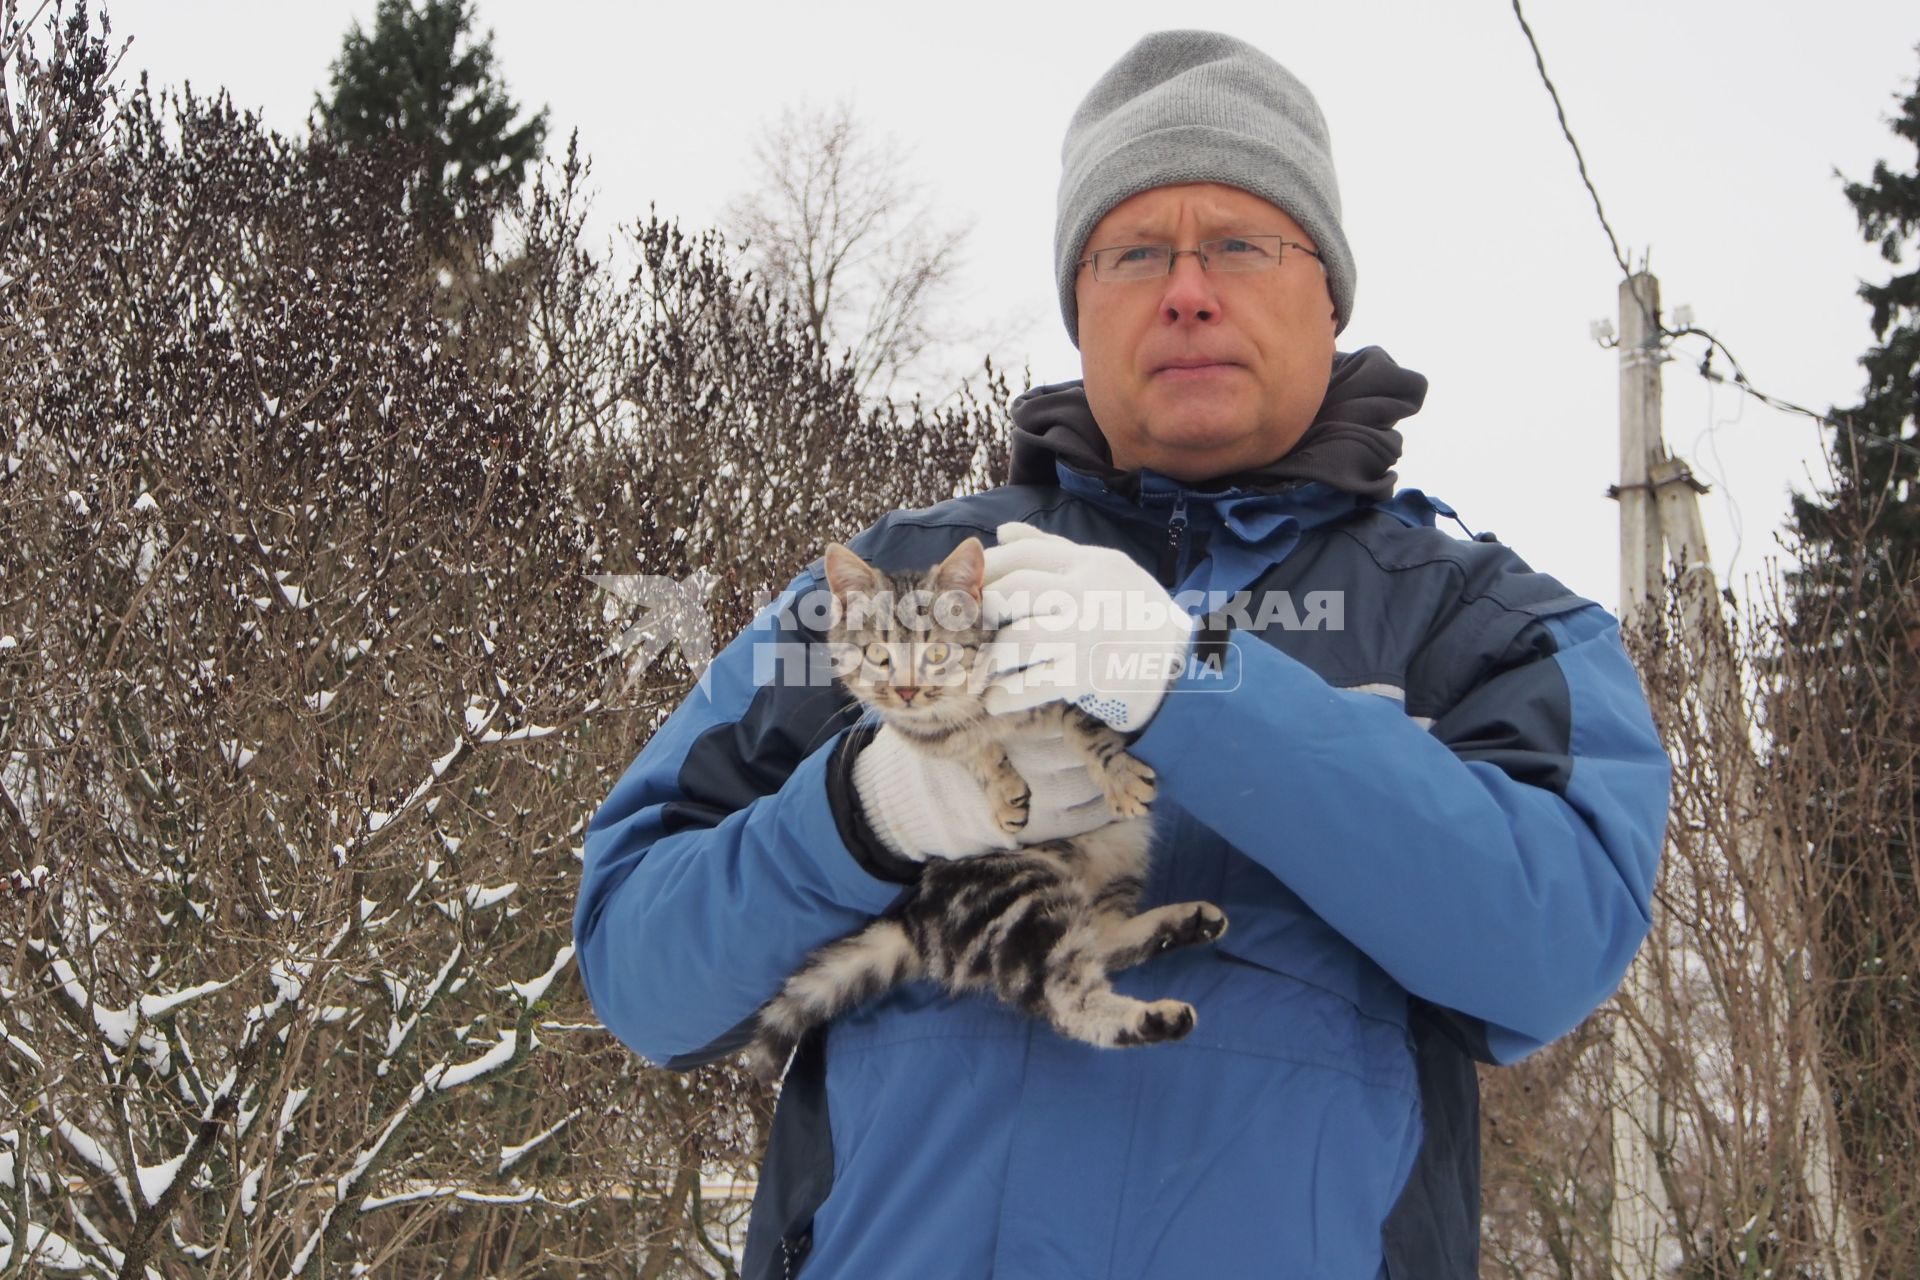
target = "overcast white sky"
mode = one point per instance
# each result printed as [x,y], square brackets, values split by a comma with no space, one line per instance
[1713,129]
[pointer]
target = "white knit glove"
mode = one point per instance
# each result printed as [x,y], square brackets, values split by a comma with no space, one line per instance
[1080,624]
[925,806]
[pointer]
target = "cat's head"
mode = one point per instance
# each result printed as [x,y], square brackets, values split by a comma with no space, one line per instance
[906,644]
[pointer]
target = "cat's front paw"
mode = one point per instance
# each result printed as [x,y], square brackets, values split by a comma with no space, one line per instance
[1130,786]
[1011,800]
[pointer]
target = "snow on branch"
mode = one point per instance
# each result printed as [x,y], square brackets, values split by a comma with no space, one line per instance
[510,1156]
[92,1153]
[438,1081]
[413,1194]
[444,1077]
[49,1251]
[400,1034]
[532,991]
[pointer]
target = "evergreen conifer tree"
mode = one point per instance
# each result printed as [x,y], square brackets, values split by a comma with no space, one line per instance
[1854,639]
[421,79]
[1863,536]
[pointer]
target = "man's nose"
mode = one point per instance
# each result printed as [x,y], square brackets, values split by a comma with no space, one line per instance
[1189,294]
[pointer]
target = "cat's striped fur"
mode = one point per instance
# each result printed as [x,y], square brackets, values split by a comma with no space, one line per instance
[1040,928]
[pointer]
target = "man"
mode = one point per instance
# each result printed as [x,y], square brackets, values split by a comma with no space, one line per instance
[1420,779]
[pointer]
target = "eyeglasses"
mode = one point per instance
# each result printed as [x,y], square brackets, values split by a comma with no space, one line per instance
[1231,253]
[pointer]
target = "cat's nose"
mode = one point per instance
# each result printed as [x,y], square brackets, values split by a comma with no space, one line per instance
[907,693]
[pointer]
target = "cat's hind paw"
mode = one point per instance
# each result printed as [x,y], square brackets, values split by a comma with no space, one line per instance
[1159,1022]
[1130,786]
[1200,922]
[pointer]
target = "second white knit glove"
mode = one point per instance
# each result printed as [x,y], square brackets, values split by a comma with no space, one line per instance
[925,806]
[1080,624]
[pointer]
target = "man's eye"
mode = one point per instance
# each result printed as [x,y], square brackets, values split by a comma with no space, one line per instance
[935,654]
[877,654]
[1239,248]
[1139,253]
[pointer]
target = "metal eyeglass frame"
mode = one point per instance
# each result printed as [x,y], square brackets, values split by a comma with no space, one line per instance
[1279,244]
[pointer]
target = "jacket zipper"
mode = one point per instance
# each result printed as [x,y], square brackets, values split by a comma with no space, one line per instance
[1176,538]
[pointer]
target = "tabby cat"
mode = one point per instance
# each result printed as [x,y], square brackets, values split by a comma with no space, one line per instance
[1041,927]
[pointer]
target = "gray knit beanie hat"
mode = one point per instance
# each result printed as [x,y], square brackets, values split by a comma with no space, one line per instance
[1197,106]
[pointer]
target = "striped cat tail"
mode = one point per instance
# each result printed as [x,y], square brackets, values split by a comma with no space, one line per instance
[836,978]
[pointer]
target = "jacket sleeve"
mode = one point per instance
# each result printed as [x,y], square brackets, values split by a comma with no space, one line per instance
[720,859]
[1499,864]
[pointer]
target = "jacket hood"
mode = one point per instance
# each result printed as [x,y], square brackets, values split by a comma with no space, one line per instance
[1351,445]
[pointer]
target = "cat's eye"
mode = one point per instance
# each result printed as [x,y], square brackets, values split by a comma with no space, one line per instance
[935,654]
[878,654]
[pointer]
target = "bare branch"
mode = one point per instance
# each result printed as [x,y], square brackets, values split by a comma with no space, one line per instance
[838,230]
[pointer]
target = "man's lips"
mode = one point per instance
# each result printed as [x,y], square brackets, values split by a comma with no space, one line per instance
[1193,366]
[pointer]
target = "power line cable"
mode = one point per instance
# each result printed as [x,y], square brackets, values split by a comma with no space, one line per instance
[1865,439]
[1711,436]
[1862,439]
[1613,241]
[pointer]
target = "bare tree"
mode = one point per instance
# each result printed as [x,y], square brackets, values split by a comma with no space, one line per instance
[1775,833]
[306,693]
[838,229]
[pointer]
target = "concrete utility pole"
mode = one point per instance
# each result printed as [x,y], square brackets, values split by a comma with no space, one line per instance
[1640,1212]
[1660,525]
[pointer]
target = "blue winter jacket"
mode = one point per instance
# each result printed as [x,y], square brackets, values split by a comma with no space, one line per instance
[1421,780]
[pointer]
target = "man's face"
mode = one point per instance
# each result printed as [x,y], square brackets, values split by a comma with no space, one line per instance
[1199,374]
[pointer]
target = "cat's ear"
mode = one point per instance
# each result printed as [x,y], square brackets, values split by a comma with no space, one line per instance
[848,574]
[964,570]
